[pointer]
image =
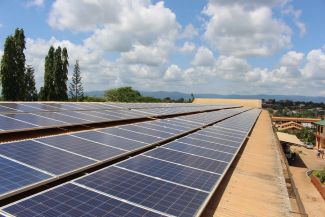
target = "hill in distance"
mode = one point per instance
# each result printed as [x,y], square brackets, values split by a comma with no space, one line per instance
[177,95]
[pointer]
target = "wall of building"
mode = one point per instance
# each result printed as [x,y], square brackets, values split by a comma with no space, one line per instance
[257,103]
[320,136]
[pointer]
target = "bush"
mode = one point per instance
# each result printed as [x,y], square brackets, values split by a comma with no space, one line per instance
[320,174]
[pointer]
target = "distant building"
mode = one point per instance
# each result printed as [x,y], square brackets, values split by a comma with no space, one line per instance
[320,134]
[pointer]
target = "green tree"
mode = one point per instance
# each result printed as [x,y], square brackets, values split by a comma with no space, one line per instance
[62,82]
[30,89]
[8,66]
[19,73]
[123,94]
[13,67]
[58,71]
[55,75]
[75,88]
[47,91]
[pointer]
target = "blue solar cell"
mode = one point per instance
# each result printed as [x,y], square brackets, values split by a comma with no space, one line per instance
[33,119]
[4,109]
[74,201]
[188,160]
[63,118]
[150,192]
[199,151]
[15,175]
[111,140]
[11,124]
[172,126]
[155,125]
[148,131]
[43,157]
[210,145]
[171,172]
[215,140]
[83,147]
[131,135]
[238,138]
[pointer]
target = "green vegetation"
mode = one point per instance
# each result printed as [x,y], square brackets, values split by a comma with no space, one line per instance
[55,75]
[17,80]
[31,92]
[307,135]
[127,94]
[298,109]
[320,174]
[76,90]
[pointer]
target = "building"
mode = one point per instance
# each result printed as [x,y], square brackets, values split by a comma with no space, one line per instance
[255,103]
[320,134]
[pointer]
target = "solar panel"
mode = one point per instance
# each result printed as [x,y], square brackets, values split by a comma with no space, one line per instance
[8,124]
[72,200]
[130,135]
[153,193]
[169,180]
[208,153]
[46,158]
[111,140]
[188,160]
[15,175]
[214,140]
[171,172]
[34,119]
[84,147]
[210,145]
[138,128]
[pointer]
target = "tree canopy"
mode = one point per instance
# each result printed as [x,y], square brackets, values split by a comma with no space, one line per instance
[122,94]
[75,89]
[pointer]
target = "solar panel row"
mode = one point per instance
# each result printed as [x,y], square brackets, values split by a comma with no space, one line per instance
[13,107]
[53,156]
[12,122]
[175,179]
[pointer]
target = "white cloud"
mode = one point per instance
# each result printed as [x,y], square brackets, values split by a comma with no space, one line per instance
[189,32]
[203,57]
[315,65]
[140,54]
[238,30]
[141,25]
[173,73]
[231,68]
[36,3]
[292,58]
[188,47]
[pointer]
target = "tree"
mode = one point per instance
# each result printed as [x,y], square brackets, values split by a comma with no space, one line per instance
[13,67]
[30,89]
[47,91]
[8,66]
[19,73]
[123,94]
[62,81]
[76,89]
[55,75]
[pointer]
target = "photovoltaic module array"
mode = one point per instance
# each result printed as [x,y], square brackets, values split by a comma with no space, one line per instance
[43,159]
[16,117]
[174,179]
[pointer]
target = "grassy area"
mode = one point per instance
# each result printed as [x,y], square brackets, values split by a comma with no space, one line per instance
[320,174]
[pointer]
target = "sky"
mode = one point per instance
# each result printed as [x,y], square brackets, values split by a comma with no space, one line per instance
[206,46]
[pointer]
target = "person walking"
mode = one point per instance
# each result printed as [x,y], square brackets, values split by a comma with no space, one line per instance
[318,153]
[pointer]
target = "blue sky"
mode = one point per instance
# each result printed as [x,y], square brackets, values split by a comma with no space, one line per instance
[212,46]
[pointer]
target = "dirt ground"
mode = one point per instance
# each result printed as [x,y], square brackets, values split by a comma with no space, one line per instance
[312,200]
